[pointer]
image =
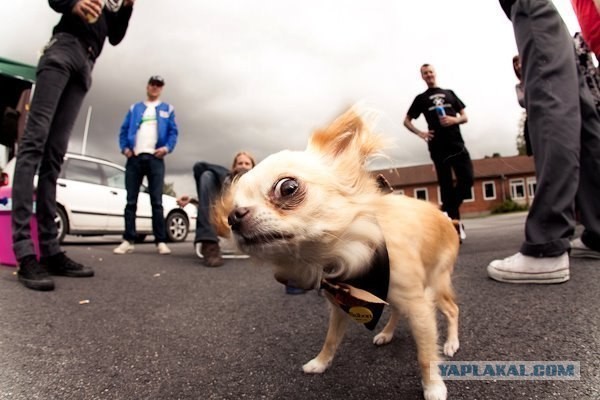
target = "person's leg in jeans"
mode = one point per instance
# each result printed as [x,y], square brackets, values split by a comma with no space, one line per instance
[55,84]
[133,179]
[63,78]
[55,150]
[199,168]
[554,118]
[447,191]
[209,179]
[156,178]
[463,170]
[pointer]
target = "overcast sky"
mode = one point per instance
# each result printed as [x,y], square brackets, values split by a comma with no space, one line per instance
[260,75]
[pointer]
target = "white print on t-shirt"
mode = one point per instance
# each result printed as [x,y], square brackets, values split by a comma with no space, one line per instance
[147,135]
[438,100]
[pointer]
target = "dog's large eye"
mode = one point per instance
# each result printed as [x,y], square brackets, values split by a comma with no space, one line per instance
[288,193]
[286,187]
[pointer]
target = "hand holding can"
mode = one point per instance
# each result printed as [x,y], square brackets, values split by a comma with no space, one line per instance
[441,112]
[93,10]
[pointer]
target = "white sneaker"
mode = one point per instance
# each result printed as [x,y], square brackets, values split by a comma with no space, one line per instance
[461,231]
[124,247]
[520,268]
[227,246]
[228,250]
[163,249]
[578,249]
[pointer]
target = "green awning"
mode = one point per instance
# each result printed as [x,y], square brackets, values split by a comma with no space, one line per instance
[17,70]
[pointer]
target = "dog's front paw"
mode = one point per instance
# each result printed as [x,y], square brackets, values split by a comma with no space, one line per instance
[435,391]
[382,338]
[315,366]
[451,347]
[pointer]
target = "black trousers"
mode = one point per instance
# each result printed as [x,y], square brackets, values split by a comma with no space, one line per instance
[564,127]
[63,79]
[454,194]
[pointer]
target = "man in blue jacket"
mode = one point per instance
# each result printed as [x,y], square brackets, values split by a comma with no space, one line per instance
[148,134]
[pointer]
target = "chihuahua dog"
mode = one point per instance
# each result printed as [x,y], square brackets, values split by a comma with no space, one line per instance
[319,215]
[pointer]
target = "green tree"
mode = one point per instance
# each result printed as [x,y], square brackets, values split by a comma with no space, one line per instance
[521,146]
[168,188]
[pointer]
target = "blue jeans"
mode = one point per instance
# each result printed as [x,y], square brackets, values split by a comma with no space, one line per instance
[63,79]
[154,169]
[209,183]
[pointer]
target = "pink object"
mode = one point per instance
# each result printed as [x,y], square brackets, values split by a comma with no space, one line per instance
[7,256]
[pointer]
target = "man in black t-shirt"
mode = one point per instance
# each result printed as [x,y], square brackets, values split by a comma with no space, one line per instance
[444,112]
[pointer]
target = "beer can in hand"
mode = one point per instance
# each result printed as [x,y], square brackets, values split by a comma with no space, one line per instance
[91,19]
[441,112]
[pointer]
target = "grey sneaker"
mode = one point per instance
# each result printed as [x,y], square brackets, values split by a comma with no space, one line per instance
[125,247]
[228,250]
[580,250]
[163,248]
[520,268]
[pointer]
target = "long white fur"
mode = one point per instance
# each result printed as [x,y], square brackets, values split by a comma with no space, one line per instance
[332,228]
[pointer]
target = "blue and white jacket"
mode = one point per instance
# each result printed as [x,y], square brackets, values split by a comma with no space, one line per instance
[165,122]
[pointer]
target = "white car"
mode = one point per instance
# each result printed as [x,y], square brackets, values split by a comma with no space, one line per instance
[91,198]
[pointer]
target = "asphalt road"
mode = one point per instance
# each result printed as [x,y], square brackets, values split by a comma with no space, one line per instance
[165,327]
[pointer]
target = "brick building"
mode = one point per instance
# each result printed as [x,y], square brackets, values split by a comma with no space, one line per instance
[496,179]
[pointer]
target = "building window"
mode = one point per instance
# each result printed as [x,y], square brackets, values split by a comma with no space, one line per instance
[517,189]
[489,190]
[421,194]
[471,197]
[531,186]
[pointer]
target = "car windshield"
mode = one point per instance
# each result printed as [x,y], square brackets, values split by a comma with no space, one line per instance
[114,177]
[95,173]
[83,171]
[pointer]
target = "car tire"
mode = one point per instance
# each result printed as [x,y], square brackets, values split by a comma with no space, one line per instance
[178,227]
[62,224]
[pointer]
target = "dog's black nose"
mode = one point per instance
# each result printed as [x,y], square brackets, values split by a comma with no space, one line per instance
[235,217]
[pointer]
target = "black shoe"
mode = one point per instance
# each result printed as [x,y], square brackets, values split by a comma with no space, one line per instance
[212,254]
[60,264]
[33,275]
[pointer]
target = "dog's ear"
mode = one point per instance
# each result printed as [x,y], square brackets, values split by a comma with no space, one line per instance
[348,143]
[347,135]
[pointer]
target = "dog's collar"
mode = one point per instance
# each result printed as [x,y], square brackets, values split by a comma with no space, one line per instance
[363,298]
